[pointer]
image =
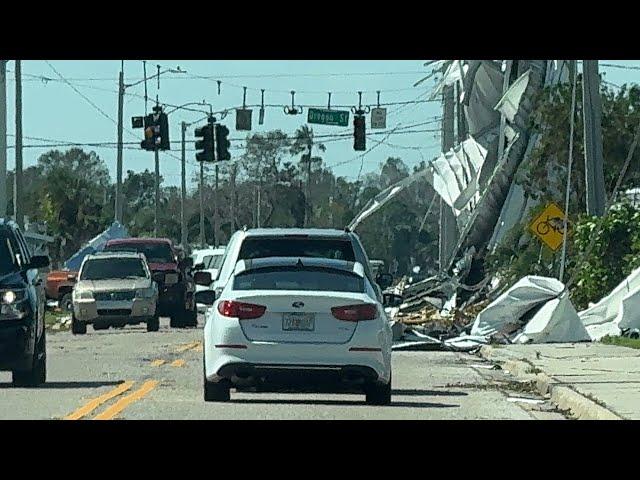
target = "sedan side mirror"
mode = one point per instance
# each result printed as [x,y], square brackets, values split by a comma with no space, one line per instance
[384,280]
[202,278]
[158,277]
[199,266]
[206,297]
[39,261]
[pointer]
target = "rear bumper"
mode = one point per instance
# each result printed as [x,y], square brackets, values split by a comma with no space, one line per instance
[291,364]
[17,342]
[301,375]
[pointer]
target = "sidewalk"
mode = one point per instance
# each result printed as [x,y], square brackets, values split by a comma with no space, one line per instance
[593,380]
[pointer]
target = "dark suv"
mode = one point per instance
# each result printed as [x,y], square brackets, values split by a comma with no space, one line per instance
[177,289]
[22,306]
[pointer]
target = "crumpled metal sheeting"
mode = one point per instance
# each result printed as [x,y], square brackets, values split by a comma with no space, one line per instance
[492,201]
[456,172]
[617,312]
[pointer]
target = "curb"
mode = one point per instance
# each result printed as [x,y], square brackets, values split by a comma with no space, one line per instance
[563,396]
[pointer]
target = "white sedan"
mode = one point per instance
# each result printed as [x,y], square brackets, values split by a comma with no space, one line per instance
[296,322]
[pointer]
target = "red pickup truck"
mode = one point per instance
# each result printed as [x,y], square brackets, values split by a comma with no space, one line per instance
[59,285]
[177,291]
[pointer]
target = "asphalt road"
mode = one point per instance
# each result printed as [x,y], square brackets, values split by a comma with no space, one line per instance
[132,374]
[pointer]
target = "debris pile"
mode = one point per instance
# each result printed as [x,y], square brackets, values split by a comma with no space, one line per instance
[534,310]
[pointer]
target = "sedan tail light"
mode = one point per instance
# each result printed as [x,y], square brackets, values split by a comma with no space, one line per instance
[355,313]
[242,311]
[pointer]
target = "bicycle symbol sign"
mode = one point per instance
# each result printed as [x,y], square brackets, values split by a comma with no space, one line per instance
[549,226]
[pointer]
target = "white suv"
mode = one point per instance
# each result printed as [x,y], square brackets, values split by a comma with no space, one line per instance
[296,242]
[296,321]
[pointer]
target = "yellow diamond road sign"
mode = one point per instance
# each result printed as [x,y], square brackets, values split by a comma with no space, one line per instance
[549,226]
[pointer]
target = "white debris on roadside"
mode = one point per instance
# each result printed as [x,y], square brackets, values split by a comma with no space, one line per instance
[534,310]
[531,401]
[617,312]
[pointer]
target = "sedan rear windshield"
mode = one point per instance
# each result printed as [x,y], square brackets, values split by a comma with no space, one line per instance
[113,268]
[256,247]
[155,252]
[296,278]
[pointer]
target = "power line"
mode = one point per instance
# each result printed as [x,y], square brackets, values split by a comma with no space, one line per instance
[615,65]
[267,75]
[87,99]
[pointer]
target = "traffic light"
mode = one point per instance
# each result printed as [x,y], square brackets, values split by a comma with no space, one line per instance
[359,136]
[163,123]
[156,131]
[222,143]
[149,141]
[204,147]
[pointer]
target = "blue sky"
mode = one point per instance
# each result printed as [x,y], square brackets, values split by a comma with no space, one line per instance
[53,110]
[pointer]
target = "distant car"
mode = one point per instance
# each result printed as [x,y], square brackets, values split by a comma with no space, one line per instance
[23,348]
[308,322]
[58,287]
[300,242]
[207,260]
[114,289]
[176,288]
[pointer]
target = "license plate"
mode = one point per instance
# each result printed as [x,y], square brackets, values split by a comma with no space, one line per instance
[299,321]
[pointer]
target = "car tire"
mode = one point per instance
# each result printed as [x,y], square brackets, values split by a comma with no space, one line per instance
[153,325]
[192,318]
[78,328]
[37,375]
[378,393]
[175,321]
[66,303]
[216,392]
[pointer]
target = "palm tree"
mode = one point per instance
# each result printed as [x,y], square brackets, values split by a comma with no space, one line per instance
[303,142]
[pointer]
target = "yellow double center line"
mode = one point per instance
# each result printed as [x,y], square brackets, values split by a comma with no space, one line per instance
[124,402]
[127,400]
[91,405]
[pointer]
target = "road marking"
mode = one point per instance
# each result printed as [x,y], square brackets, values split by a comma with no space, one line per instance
[188,346]
[91,405]
[157,363]
[124,402]
[178,363]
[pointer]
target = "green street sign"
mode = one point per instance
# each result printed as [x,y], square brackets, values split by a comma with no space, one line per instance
[339,118]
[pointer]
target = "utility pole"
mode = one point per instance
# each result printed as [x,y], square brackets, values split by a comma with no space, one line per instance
[215,211]
[593,161]
[118,200]
[183,219]
[203,240]
[232,184]
[448,226]
[156,227]
[17,187]
[309,209]
[258,204]
[3,138]
[573,72]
